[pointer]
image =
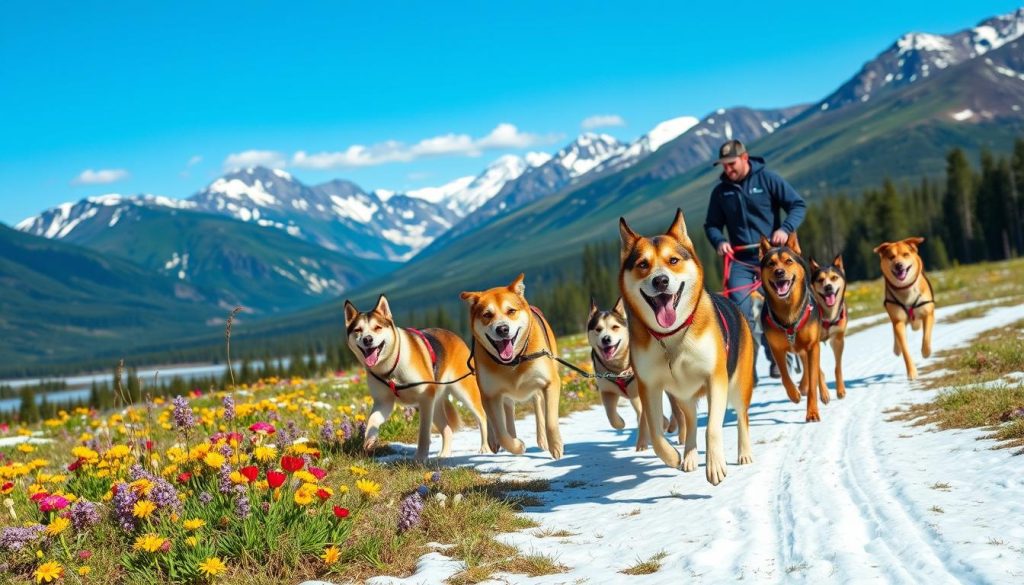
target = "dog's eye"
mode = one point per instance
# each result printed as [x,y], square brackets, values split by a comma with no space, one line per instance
[358,331]
[599,329]
[789,261]
[643,265]
[673,260]
[378,328]
[487,315]
[510,312]
[615,327]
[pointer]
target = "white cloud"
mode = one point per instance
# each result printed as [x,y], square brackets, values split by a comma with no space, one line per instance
[100,177]
[502,136]
[253,158]
[602,121]
[194,161]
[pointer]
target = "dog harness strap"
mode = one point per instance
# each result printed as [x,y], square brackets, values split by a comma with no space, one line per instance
[430,348]
[790,330]
[622,383]
[620,379]
[829,324]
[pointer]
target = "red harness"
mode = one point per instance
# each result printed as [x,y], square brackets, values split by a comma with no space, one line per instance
[829,324]
[792,330]
[433,359]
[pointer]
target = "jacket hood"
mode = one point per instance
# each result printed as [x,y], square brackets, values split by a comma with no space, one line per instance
[756,166]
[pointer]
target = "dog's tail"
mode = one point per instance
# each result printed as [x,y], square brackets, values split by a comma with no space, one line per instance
[452,413]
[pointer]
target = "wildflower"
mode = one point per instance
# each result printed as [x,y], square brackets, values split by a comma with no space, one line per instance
[331,555]
[212,566]
[214,459]
[49,571]
[7,488]
[304,495]
[324,493]
[149,542]
[292,464]
[423,491]
[205,498]
[242,506]
[143,509]
[14,539]
[317,472]
[194,523]
[84,555]
[184,477]
[410,511]
[52,502]
[275,479]
[124,501]
[57,525]
[229,408]
[356,470]
[84,570]
[340,512]
[370,489]
[436,476]
[251,472]
[305,476]
[262,428]
[192,541]
[184,418]
[265,453]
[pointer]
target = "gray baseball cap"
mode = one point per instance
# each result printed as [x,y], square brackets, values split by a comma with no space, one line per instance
[730,151]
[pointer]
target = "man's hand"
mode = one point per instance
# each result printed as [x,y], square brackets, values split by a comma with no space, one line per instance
[724,248]
[779,237]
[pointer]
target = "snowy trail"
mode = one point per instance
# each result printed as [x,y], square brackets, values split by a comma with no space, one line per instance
[853,499]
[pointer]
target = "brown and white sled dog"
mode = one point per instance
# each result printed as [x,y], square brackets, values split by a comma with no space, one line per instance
[829,286]
[908,296]
[685,341]
[403,366]
[789,318]
[512,349]
[608,334]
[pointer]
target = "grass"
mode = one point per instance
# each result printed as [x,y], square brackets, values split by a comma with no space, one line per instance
[651,565]
[988,357]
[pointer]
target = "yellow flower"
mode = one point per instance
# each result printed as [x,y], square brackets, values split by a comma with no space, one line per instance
[149,542]
[305,494]
[237,477]
[265,453]
[194,524]
[192,541]
[26,448]
[84,570]
[370,489]
[143,508]
[85,453]
[118,452]
[305,476]
[58,525]
[331,555]
[50,571]
[214,459]
[142,486]
[343,489]
[212,566]
[356,470]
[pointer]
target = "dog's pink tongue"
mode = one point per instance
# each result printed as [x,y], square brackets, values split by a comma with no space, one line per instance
[608,351]
[373,356]
[830,299]
[505,349]
[665,313]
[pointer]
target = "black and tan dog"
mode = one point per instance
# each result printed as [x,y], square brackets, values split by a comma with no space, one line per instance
[403,366]
[909,298]
[789,318]
[685,341]
[608,334]
[829,286]
[513,349]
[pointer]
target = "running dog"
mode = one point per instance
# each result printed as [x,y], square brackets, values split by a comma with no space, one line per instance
[513,348]
[608,335]
[908,296]
[405,366]
[686,341]
[829,286]
[789,319]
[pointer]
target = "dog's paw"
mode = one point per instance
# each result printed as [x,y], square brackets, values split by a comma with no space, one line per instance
[421,459]
[369,445]
[617,423]
[745,459]
[794,396]
[690,460]
[556,451]
[715,468]
[926,350]
[485,450]
[813,416]
[518,447]
[840,390]
[640,447]
[824,396]
[896,349]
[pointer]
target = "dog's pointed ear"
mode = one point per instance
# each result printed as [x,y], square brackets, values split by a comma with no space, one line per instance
[593,308]
[914,242]
[628,238]
[518,286]
[678,228]
[470,298]
[881,248]
[350,312]
[813,264]
[793,243]
[763,248]
[383,307]
[620,307]
[838,262]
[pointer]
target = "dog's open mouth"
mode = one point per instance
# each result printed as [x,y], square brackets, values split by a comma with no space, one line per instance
[372,355]
[506,347]
[783,286]
[607,351]
[900,272]
[830,298]
[664,306]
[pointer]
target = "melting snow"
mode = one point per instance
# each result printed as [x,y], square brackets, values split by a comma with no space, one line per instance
[353,208]
[962,115]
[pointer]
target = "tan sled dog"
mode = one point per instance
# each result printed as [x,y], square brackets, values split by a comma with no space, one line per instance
[685,341]
[829,286]
[403,366]
[608,334]
[513,345]
[908,296]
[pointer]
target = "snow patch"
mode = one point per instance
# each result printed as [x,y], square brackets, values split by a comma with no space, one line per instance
[962,115]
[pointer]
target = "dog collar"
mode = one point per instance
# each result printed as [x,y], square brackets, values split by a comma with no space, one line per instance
[792,329]
[686,323]
[829,324]
[624,379]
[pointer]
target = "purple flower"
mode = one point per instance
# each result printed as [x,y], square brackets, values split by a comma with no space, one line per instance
[409,511]
[184,418]
[205,498]
[14,539]
[346,429]
[163,493]
[124,503]
[84,514]
[423,491]
[327,432]
[242,506]
[225,485]
[436,476]
[229,408]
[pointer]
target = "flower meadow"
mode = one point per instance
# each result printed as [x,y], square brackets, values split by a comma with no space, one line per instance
[263,484]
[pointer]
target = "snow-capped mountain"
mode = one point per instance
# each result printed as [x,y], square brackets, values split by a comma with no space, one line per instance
[465,194]
[659,135]
[918,55]
[93,214]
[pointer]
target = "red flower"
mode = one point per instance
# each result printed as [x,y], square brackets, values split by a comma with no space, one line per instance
[317,472]
[40,495]
[51,503]
[322,494]
[84,555]
[275,479]
[7,487]
[263,428]
[149,445]
[292,464]
[74,466]
[340,512]
[184,477]
[251,472]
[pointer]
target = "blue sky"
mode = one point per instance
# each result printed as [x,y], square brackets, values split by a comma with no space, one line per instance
[162,99]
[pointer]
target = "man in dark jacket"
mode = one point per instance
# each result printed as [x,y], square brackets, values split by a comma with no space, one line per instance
[746,203]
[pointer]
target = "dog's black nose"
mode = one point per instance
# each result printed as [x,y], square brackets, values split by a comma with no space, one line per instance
[660,283]
[607,340]
[828,289]
[779,273]
[899,266]
[502,330]
[367,340]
